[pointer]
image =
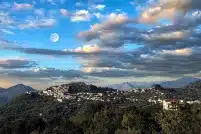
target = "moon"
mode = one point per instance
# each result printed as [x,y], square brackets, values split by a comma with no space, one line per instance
[54,37]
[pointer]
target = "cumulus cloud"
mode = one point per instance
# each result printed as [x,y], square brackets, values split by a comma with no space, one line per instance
[113,21]
[80,15]
[171,50]
[171,9]
[77,16]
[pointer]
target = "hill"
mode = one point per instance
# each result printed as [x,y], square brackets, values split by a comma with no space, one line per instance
[8,94]
[39,114]
[2,90]
[76,87]
[34,114]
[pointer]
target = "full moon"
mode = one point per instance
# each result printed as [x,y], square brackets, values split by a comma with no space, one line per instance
[54,37]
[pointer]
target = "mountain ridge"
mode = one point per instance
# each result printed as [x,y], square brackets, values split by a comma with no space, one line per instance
[179,83]
[8,94]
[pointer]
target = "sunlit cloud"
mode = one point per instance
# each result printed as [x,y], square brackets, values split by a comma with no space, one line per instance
[168,9]
[86,49]
[80,15]
[179,52]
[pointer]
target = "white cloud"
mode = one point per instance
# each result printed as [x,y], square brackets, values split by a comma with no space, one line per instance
[80,15]
[42,23]
[54,2]
[64,12]
[85,49]
[98,15]
[168,9]
[5,19]
[179,52]
[99,7]
[22,6]
[6,31]
[112,20]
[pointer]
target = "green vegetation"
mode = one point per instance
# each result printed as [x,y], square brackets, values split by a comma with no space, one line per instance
[35,114]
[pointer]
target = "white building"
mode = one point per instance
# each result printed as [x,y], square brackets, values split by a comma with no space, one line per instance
[170,104]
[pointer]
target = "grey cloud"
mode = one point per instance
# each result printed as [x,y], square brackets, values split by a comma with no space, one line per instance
[155,64]
[43,73]
[119,73]
[52,73]
[40,51]
[13,64]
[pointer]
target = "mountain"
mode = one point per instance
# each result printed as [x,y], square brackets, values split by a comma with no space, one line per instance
[180,83]
[8,94]
[194,85]
[123,86]
[131,85]
[2,90]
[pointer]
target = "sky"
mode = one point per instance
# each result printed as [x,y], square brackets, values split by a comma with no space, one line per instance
[100,42]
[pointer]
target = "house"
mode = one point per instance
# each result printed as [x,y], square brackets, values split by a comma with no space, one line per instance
[170,104]
[60,100]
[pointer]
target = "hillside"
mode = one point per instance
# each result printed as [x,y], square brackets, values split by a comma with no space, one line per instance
[76,87]
[40,114]
[8,94]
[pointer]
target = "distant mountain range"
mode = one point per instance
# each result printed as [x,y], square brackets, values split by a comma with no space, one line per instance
[130,85]
[8,94]
[180,83]
[194,85]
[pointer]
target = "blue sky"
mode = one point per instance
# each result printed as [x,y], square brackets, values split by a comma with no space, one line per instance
[98,41]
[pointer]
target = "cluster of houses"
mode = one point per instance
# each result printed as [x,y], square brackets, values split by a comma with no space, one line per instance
[60,95]
[168,104]
[172,104]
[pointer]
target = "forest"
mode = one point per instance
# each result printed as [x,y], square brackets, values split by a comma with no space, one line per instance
[35,114]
